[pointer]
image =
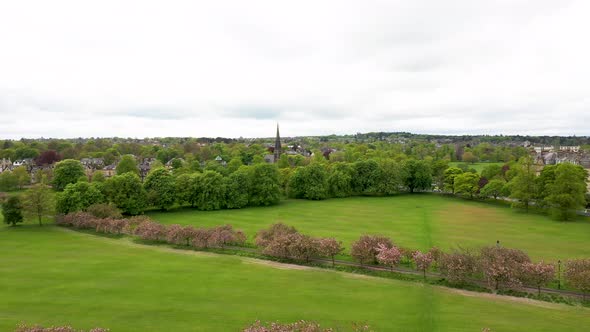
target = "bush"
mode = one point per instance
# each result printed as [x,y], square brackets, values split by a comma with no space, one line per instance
[458,266]
[577,274]
[365,248]
[180,235]
[502,266]
[300,326]
[37,328]
[151,231]
[105,210]
[265,236]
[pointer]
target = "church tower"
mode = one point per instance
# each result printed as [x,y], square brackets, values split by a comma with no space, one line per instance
[277,151]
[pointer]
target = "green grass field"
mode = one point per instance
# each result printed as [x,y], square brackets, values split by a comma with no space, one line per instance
[477,166]
[51,275]
[417,221]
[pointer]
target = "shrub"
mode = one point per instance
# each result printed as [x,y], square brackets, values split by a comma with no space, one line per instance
[458,265]
[201,238]
[538,274]
[295,246]
[221,236]
[180,235]
[329,247]
[300,326]
[105,210]
[37,328]
[365,248]
[151,231]
[503,266]
[577,274]
[265,236]
[422,261]
[388,256]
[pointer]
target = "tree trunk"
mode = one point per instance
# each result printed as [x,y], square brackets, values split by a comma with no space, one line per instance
[40,224]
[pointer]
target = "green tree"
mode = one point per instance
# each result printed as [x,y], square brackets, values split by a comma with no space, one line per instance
[449,178]
[66,172]
[127,193]
[469,157]
[211,195]
[78,196]
[187,188]
[265,188]
[38,202]
[494,188]
[98,176]
[237,187]
[566,193]
[127,164]
[22,176]
[12,210]
[8,181]
[416,175]
[522,186]
[366,176]
[491,171]
[160,188]
[467,184]
[309,182]
[339,184]
[390,177]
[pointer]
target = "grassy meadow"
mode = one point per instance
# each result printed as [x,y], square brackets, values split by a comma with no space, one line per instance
[52,275]
[417,221]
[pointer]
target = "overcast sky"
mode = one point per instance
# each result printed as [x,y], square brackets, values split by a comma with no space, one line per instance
[235,68]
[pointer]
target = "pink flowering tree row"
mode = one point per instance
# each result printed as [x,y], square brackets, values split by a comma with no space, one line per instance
[284,241]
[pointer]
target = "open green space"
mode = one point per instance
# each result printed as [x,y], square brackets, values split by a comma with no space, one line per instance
[54,276]
[417,221]
[477,166]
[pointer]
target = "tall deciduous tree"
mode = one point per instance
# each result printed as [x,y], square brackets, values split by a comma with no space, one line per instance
[467,184]
[78,196]
[309,182]
[66,172]
[237,187]
[22,176]
[127,164]
[522,186]
[416,175]
[38,202]
[494,188]
[12,210]
[160,188]
[265,189]
[127,193]
[449,178]
[211,191]
[566,193]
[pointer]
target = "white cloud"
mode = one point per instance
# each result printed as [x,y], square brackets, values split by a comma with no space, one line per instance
[234,68]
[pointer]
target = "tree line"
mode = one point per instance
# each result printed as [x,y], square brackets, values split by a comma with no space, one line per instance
[499,267]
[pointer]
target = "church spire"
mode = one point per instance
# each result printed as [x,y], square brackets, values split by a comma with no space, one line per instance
[277,151]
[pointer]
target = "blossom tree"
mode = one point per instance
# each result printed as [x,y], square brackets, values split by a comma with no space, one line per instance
[365,248]
[330,247]
[422,261]
[577,274]
[538,274]
[389,256]
[502,266]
